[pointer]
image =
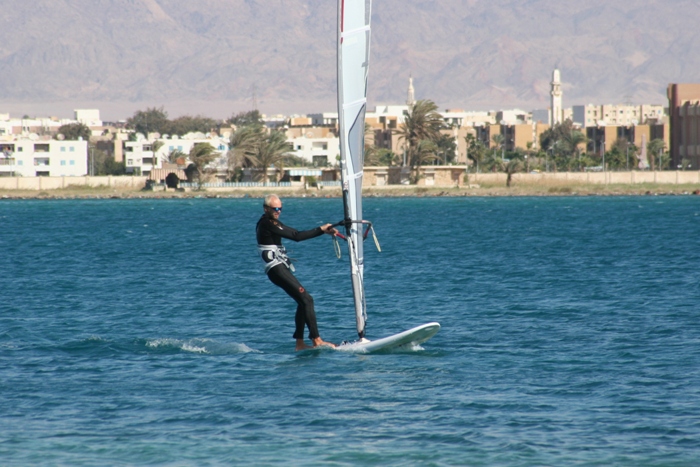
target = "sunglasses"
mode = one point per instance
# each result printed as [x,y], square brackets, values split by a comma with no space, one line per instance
[275,209]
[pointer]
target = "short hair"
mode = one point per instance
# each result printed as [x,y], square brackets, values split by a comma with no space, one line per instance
[269,198]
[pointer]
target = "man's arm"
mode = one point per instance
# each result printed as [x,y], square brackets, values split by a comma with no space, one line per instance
[284,231]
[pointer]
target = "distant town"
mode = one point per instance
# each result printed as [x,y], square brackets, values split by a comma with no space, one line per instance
[252,147]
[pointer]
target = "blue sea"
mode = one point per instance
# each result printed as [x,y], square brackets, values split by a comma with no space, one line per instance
[144,332]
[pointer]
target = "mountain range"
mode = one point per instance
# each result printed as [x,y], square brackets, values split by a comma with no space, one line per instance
[221,57]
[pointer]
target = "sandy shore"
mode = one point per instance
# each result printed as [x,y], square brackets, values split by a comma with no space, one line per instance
[387,191]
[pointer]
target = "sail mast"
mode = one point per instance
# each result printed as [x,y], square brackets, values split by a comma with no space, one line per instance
[353,66]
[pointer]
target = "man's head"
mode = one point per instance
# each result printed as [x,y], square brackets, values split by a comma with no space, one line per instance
[273,206]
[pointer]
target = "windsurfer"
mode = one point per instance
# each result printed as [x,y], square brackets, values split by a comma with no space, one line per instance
[269,232]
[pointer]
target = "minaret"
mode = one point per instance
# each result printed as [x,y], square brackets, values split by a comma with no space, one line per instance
[411,98]
[556,112]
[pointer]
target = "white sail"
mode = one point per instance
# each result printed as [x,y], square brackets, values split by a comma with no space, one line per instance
[353,66]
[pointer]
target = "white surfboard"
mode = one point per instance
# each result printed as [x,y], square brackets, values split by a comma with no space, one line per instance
[413,336]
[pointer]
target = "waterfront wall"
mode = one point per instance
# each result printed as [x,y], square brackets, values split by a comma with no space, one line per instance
[55,183]
[592,178]
[436,176]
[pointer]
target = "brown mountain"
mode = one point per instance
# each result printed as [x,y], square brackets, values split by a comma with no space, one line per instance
[218,57]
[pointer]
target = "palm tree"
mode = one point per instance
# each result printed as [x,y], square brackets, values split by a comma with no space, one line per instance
[499,141]
[422,123]
[513,166]
[244,143]
[253,147]
[571,143]
[155,146]
[200,155]
[424,152]
[475,150]
[174,155]
[272,151]
[655,148]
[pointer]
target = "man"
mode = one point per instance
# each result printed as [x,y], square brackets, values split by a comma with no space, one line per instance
[279,268]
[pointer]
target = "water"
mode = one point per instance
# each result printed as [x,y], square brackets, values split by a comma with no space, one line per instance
[140,332]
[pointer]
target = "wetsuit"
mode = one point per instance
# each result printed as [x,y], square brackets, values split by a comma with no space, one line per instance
[278,267]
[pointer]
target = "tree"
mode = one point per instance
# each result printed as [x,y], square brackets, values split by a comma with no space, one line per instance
[499,142]
[104,164]
[655,150]
[75,131]
[513,166]
[251,117]
[188,124]
[563,143]
[272,151]
[570,143]
[475,150]
[155,147]
[422,123]
[200,155]
[254,147]
[174,155]
[424,152]
[244,143]
[151,120]
[446,148]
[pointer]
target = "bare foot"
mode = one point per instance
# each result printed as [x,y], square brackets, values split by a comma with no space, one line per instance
[318,342]
[301,345]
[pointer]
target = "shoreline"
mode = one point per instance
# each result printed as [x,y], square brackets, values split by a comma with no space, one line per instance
[528,190]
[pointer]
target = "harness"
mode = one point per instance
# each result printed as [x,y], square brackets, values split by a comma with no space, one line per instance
[274,255]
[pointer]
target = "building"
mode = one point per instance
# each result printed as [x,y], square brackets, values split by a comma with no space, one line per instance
[684,112]
[319,146]
[617,114]
[25,157]
[140,159]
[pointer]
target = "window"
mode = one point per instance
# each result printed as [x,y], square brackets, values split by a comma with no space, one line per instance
[41,148]
[63,162]
[20,149]
[63,149]
[72,149]
[72,162]
[320,161]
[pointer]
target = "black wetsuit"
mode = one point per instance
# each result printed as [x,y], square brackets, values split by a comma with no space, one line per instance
[270,232]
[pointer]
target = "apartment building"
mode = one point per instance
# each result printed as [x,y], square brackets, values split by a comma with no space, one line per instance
[317,145]
[684,111]
[616,114]
[140,159]
[25,157]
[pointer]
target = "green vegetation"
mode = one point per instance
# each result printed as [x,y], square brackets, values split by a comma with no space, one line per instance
[420,133]
[155,120]
[75,132]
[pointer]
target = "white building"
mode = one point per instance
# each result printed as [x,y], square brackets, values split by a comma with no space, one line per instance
[88,117]
[616,114]
[315,147]
[30,126]
[43,158]
[140,159]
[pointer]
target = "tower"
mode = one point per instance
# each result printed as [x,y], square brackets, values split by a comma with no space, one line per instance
[411,97]
[556,109]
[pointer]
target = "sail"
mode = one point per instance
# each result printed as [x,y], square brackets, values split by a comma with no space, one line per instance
[353,66]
